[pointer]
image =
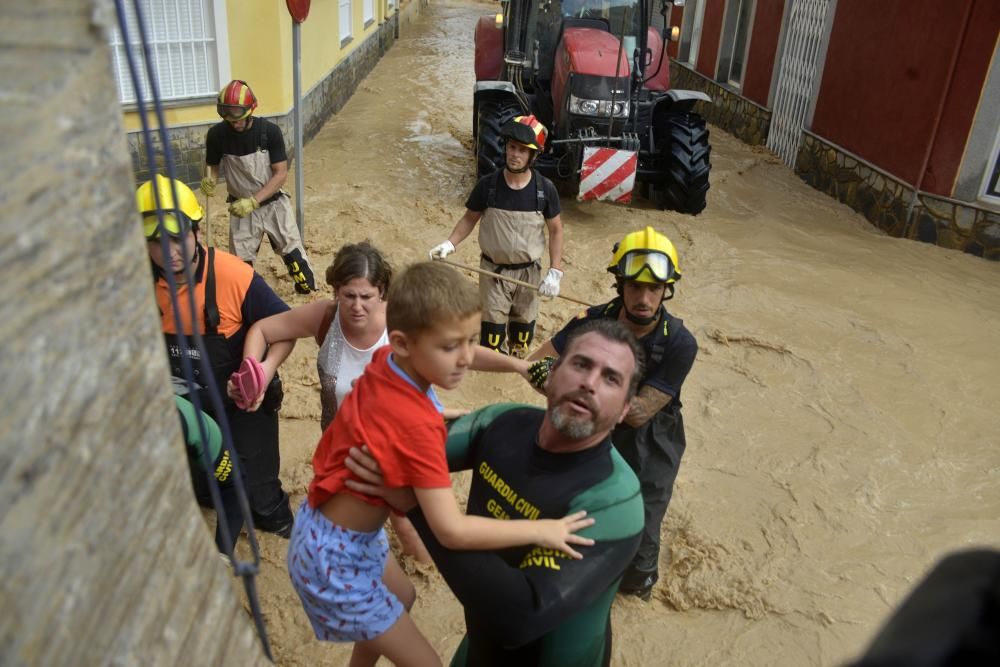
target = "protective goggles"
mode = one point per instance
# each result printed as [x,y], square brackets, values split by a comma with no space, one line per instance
[634,263]
[175,223]
[233,112]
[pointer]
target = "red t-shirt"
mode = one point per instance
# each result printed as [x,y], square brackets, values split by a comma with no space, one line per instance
[403,430]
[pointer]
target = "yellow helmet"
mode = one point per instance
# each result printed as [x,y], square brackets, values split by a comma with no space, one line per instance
[645,256]
[175,218]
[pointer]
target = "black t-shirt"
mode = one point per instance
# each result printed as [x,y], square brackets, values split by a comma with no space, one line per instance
[525,199]
[222,139]
[670,348]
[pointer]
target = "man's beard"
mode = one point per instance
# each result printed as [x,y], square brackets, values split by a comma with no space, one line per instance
[575,428]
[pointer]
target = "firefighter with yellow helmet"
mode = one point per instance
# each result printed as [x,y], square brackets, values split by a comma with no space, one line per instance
[250,151]
[514,208]
[651,437]
[229,297]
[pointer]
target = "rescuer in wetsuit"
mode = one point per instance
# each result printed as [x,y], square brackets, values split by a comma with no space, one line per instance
[528,605]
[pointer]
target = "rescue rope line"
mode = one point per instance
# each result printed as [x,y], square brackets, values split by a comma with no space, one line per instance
[247,570]
[499,276]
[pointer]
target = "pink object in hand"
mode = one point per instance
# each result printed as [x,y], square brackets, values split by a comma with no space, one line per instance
[249,382]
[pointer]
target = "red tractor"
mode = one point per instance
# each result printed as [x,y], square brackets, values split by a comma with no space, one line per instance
[596,73]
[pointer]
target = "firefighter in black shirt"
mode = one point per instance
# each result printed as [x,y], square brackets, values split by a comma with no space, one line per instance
[651,438]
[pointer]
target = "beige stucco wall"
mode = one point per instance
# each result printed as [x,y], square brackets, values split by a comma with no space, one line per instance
[259,35]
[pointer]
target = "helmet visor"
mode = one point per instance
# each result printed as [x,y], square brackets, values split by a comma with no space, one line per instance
[232,112]
[633,264]
[151,224]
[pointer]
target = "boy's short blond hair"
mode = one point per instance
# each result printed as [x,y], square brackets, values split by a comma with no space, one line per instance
[429,293]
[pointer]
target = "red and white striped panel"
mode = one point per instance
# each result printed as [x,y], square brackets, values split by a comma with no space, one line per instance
[607,174]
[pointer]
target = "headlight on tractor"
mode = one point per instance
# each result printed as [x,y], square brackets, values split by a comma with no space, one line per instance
[599,108]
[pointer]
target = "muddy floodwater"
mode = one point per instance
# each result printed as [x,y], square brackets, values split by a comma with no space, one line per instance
[841,416]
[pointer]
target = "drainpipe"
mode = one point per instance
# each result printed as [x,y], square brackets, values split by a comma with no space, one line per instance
[940,111]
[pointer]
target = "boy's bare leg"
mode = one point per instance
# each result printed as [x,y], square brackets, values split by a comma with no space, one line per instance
[402,644]
[409,539]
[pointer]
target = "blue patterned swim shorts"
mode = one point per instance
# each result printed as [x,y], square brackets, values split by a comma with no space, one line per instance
[338,576]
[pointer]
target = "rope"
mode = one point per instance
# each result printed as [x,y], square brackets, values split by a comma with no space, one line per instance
[244,569]
[499,276]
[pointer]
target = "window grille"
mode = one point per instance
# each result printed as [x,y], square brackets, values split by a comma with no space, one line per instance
[183,38]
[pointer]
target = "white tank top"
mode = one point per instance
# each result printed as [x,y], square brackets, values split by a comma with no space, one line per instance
[339,364]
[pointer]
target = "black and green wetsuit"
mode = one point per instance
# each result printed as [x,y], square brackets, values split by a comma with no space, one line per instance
[222,468]
[529,605]
[654,449]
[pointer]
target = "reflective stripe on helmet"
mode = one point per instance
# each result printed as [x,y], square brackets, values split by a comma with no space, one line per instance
[526,130]
[538,131]
[236,96]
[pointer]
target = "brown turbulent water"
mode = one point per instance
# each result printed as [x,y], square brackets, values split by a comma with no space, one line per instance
[841,416]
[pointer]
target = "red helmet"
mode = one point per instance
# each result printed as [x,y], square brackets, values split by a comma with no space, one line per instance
[526,130]
[236,101]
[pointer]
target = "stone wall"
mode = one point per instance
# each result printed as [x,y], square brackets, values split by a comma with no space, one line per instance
[325,99]
[885,201]
[737,115]
[105,558]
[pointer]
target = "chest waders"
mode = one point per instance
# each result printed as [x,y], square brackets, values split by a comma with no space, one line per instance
[653,451]
[512,243]
[246,175]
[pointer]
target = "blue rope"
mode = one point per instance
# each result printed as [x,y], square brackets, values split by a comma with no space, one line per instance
[247,570]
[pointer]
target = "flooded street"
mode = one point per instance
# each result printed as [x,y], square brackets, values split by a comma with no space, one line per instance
[841,416]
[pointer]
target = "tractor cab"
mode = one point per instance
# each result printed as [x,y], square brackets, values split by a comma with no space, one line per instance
[594,72]
[600,37]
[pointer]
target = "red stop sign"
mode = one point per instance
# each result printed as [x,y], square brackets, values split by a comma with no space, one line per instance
[299,9]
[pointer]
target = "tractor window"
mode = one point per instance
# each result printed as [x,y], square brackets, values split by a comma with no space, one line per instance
[545,21]
[622,17]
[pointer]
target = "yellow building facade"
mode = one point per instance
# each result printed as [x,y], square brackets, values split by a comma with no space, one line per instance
[199,46]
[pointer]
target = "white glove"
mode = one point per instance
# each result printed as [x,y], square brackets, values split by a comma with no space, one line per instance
[442,250]
[550,286]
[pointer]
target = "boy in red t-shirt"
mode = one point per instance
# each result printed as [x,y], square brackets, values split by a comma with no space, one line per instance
[338,558]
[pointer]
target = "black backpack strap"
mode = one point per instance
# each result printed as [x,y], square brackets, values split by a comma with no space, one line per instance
[539,192]
[211,305]
[261,136]
[491,194]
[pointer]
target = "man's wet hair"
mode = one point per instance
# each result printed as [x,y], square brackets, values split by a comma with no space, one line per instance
[615,331]
[427,294]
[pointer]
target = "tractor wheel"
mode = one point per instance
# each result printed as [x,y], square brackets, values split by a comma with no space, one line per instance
[687,165]
[492,115]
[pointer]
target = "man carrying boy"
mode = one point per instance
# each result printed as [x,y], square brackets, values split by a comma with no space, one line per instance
[529,605]
[651,438]
[339,562]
